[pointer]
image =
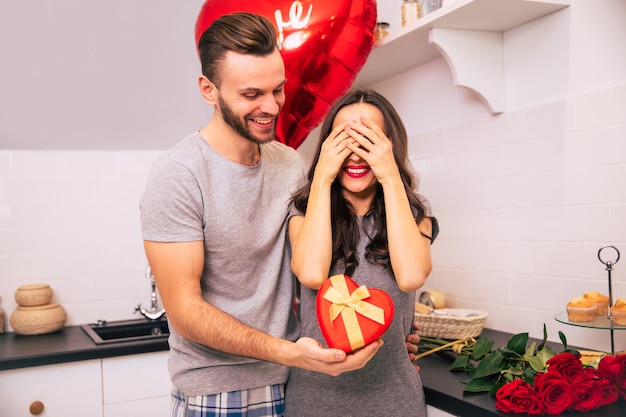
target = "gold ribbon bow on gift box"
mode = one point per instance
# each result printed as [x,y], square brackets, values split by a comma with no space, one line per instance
[348,305]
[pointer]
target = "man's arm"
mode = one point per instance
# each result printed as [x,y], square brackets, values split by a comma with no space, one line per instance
[177,268]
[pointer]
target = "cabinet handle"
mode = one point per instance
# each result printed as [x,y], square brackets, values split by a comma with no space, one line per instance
[36,408]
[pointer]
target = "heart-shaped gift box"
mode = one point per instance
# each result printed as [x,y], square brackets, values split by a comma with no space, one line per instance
[351,316]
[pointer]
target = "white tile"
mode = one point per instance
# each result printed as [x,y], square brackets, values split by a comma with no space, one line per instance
[426,144]
[530,224]
[137,164]
[584,148]
[558,259]
[5,163]
[462,254]
[617,143]
[526,157]
[618,223]
[602,108]
[501,192]
[38,163]
[92,163]
[583,223]
[482,163]
[534,291]
[510,257]
[465,195]
[504,128]
[546,120]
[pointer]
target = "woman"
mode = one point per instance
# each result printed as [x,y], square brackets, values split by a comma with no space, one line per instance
[360,216]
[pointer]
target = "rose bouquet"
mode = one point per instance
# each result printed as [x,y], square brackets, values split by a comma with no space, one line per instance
[532,378]
[565,385]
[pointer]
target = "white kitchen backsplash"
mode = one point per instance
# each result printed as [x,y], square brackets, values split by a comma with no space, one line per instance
[519,229]
[523,215]
[71,219]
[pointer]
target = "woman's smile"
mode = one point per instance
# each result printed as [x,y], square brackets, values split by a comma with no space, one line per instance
[356,171]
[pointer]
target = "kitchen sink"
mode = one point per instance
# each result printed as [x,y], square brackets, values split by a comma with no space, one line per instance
[104,332]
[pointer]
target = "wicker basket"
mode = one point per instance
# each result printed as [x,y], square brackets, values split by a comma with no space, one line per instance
[39,319]
[451,326]
[33,295]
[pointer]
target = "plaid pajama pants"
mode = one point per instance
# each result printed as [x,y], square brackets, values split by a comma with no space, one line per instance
[256,402]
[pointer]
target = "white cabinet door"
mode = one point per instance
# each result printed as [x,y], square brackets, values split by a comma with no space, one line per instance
[68,390]
[152,407]
[136,385]
[435,412]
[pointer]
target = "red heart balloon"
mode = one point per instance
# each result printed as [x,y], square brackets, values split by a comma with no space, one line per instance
[324,45]
[339,330]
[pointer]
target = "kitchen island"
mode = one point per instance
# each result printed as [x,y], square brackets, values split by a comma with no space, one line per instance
[444,389]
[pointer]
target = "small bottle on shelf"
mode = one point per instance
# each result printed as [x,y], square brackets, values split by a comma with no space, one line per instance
[382,30]
[411,11]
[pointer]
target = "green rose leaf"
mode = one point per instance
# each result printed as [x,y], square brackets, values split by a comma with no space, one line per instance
[461,363]
[512,371]
[536,363]
[518,343]
[496,386]
[482,347]
[531,349]
[545,354]
[563,339]
[479,385]
[490,364]
[545,337]
[529,376]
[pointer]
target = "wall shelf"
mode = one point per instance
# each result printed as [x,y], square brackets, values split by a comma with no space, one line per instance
[467,33]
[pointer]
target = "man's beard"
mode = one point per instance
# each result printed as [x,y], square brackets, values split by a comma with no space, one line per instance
[239,124]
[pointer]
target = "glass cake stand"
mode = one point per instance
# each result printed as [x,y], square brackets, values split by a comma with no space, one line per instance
[600,322]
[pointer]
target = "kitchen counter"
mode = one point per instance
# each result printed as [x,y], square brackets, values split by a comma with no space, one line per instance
[443,389]
[69,344]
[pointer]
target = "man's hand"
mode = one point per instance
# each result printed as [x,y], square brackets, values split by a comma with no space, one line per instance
[412,341]
[313,357]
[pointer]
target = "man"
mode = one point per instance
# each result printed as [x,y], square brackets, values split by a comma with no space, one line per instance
[213,219]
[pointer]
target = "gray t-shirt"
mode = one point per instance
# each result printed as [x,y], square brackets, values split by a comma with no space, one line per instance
[389,385]
[240,213]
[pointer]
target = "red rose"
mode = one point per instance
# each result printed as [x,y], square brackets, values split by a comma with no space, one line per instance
[610,392]
[518,397]
[588,395]
[568,366]
[614,369]
[554,391]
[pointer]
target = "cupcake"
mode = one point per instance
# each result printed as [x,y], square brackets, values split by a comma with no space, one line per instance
[601,300]
[618,312]
[580,309]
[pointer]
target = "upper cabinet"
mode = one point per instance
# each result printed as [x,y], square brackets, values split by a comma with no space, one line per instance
[467,33]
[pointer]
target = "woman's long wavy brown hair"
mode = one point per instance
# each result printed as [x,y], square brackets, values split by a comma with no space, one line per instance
[345,229]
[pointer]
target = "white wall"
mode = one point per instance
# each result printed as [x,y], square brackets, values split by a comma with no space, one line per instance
[525,198]
[94,75]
